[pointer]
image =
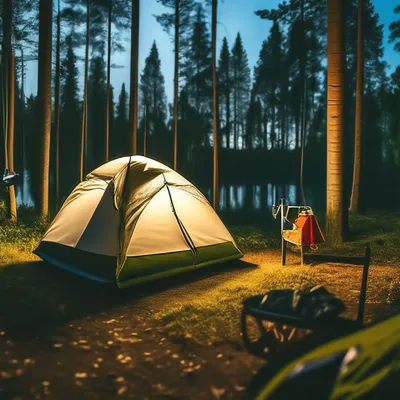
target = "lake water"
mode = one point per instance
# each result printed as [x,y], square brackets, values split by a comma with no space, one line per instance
[235,199]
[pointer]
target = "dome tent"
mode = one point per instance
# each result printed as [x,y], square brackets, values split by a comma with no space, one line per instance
[133,220]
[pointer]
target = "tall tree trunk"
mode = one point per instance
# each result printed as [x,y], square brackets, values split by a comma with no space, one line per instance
[108,81]
[215,104]
[44,94]
[303,141]
[10,150]
[335,123]
[176,84]
[85,94]
[8,97]
[24,183]
[355,193]
[133,103]
[57,107]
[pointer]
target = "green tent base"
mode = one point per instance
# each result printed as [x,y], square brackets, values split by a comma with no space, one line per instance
[136,270]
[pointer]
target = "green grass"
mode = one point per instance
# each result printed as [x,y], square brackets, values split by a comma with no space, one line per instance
[206,310]
[213,315]
[381,230]
[19,239]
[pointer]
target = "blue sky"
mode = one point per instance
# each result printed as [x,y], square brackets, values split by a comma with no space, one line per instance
[234,16]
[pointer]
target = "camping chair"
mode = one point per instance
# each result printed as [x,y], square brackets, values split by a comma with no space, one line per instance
[299,227]
[282,337]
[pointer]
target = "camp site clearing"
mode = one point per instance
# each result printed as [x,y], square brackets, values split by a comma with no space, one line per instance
[66,337]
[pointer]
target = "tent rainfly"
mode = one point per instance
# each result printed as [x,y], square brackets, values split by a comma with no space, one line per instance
[133,220]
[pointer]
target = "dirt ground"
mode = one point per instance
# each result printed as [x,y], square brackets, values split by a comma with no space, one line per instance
[118,350]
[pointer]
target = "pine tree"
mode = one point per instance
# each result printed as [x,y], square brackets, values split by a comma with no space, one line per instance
[118,12]
[44,94]
[301,18]
[240,88]
[69,120]
[216,138]
[197,66]
[24,32]
[335,128]
[76,12]
[153,98]
[8,85]
[56,134]
[152,86]
[224,80]
[96,114]
[120,142]
[178,20]
[269,78]
[134,74]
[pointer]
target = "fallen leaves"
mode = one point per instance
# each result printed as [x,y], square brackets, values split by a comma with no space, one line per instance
[80,375]
[218,393]
[122,390]
[123,359]
[129,340]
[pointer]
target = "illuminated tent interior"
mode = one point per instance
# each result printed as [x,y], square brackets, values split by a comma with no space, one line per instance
[133,220]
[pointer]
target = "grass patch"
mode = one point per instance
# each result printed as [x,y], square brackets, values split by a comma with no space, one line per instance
[19,239]
[379,229]
[213,314]
[207,310]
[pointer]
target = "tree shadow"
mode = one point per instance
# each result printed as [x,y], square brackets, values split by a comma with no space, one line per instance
[36,296]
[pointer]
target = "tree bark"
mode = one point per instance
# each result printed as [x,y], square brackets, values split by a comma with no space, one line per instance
[85,94]
[176,84]
[335,123]
[8,76]
[133,103]
[44,95]
[57,107]
[107,138]
[10,150]
[355,193]
[215,105]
